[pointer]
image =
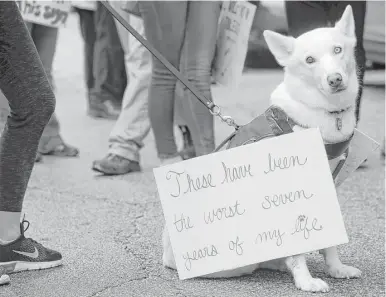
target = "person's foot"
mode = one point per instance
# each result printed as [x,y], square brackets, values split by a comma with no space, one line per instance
[188,150]
[105,110]
[38,157]
[113,165]
[27,254]
[55,146]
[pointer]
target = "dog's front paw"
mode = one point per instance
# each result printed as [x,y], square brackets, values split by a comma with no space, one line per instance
[343,271]
[312,285]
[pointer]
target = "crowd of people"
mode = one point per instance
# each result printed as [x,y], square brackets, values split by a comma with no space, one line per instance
[125,83]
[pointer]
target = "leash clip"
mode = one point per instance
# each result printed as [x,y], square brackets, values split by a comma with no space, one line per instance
[216,111]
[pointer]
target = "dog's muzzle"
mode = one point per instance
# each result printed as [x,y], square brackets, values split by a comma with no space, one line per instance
[335,81]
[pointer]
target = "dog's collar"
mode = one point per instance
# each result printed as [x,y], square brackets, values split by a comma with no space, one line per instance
[339,112]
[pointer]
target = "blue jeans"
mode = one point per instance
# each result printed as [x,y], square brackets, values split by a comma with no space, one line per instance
[172,28]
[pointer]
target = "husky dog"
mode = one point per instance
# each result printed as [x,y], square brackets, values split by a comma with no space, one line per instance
[319,90]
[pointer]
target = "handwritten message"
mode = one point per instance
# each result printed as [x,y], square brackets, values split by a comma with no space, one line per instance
[232,41]
[47,13]
[250,204]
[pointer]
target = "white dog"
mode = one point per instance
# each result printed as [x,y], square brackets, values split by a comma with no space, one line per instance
[319,90]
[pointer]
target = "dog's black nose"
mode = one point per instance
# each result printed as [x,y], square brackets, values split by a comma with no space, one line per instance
[334,80]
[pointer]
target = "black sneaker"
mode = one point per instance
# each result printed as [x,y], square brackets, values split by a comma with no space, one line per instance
[27,254]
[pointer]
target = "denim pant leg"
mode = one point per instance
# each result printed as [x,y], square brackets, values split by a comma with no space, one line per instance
[109,69]
[197,58]
[165,29]
[133,124]
[45,39]
[87,29]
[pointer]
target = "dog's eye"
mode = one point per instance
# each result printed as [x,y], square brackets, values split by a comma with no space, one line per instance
[337,50]
[310,60]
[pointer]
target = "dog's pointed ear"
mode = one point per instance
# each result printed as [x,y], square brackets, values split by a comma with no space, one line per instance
[280,46]
[346,24]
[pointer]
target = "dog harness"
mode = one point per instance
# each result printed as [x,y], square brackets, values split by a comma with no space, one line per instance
[275,122]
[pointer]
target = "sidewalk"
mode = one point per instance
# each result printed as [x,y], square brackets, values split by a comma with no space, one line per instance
[109,228]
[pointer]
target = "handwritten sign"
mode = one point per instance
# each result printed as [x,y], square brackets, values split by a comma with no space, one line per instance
[47,13]
[360,148]
[87,5]
[232,41]
[249,204]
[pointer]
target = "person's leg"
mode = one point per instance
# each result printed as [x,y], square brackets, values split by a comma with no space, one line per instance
[359,11]
[109,69]
[32,102]
[87,29]
[303,16]
[165,28]
[45,39]
[133,125]
[198,54]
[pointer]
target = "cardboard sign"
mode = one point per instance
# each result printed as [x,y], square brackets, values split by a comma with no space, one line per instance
[232,41]
[361,146]
[250,204]
[47,13]
[85,4]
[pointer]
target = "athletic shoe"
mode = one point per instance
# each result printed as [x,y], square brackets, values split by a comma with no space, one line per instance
[27,254]
[113,165]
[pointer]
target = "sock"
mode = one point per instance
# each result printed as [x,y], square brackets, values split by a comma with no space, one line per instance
[9,226]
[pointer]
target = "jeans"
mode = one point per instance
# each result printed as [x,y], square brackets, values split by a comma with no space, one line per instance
[87,29]
[307,15]
[172,26]
[133,125]
[31,100]
[45,39]
[108,65]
